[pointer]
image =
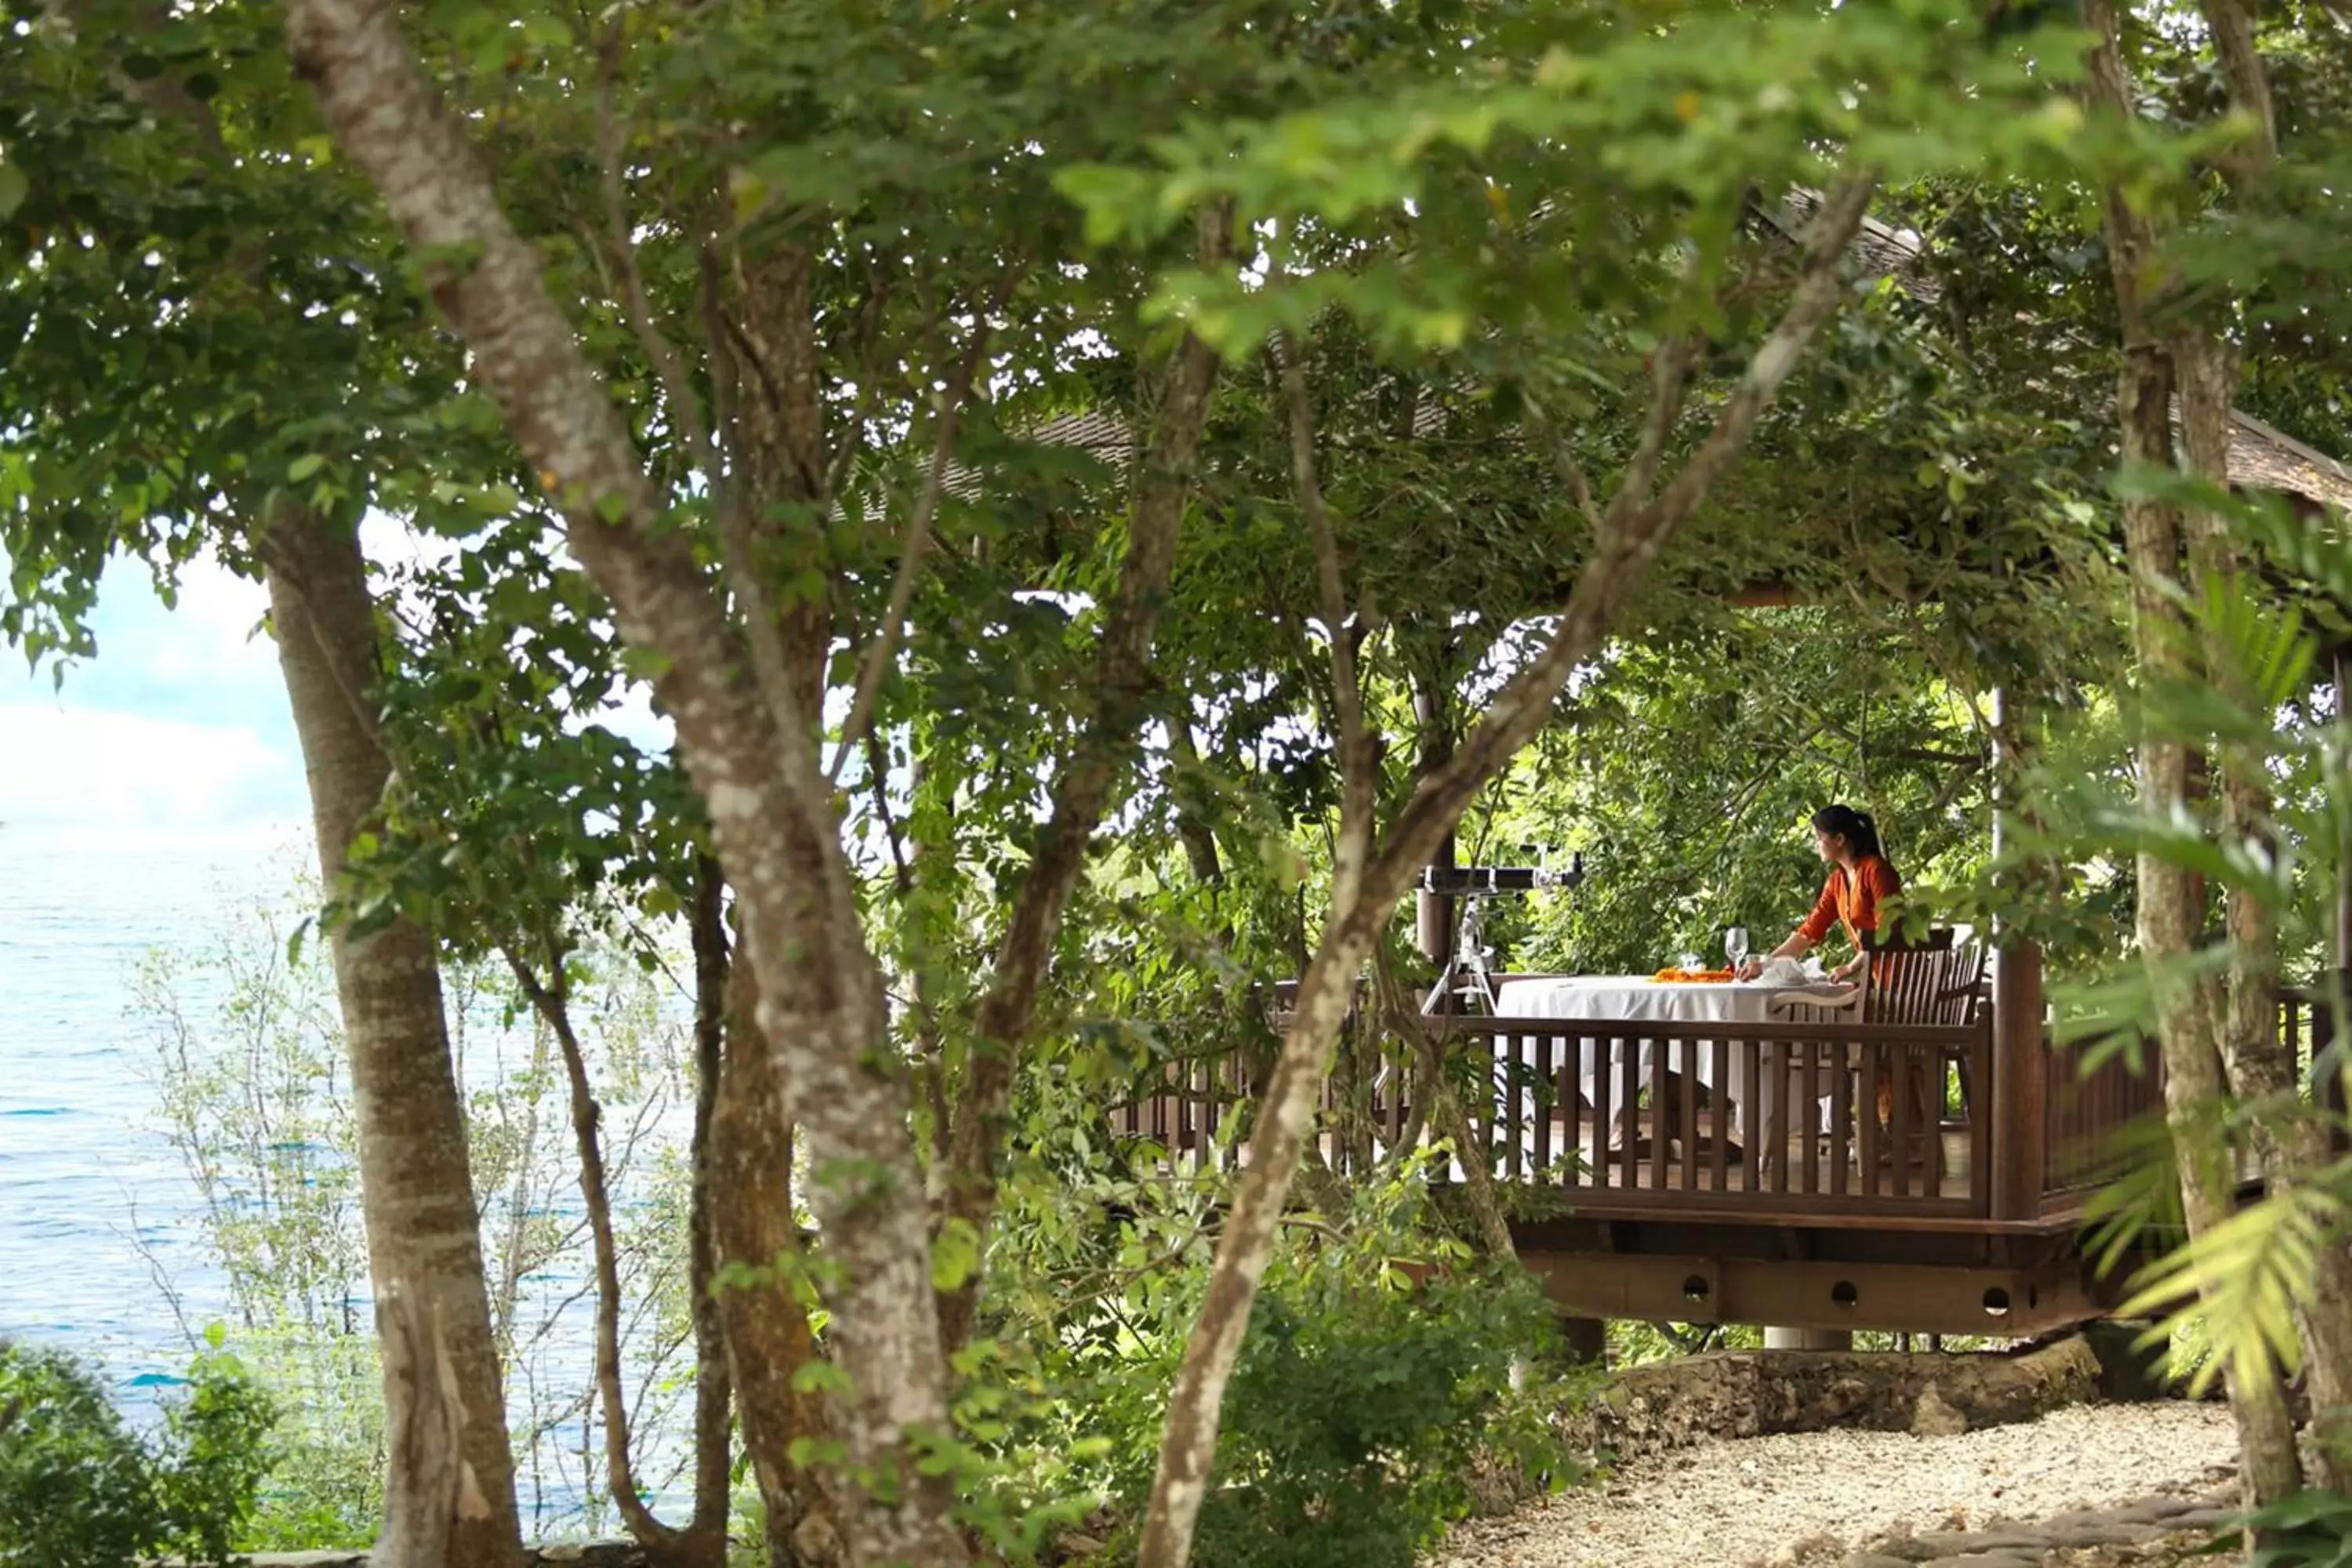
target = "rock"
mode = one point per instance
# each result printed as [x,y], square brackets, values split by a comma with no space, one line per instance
[589,1555]
[2208,1518]
[2111,1532]
[1750,1394]
[1931,1417]
[1818,1548]
[1873,1560]
[1968,1542]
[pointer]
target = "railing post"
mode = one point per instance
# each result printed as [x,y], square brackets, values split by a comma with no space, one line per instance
[1434,912]
[2019,1103]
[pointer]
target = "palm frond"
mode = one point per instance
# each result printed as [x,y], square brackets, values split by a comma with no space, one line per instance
[2245,1276]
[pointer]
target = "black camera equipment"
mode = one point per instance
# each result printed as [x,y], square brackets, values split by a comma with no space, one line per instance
[1466,973]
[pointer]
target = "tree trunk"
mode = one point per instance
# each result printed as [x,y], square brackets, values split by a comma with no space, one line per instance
[1194,830]
[2169,907]
[759,1280]
[747,739]
[2295,1145]
[449,1485]
[714,1413]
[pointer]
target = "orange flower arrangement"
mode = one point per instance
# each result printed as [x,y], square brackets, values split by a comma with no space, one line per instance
[1692,976]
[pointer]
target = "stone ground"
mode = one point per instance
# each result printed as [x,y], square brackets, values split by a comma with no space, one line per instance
[2086,1486]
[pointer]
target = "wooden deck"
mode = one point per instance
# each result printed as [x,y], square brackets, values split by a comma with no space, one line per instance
[1950,1212]
[1574,1107]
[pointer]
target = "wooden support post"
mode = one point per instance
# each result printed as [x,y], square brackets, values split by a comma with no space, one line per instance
[1809,1339]
[2340,671]
[1434,913]
[2328,1087]
[2020,1062]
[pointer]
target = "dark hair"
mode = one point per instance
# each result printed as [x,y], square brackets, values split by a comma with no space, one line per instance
[1855,826]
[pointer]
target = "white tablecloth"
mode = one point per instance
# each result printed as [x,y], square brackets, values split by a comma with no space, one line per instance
[1637,998]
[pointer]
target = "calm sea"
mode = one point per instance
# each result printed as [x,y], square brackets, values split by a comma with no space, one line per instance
[97,1214]
[92,1199]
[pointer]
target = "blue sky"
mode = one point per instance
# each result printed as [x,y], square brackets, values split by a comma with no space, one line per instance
[179,726]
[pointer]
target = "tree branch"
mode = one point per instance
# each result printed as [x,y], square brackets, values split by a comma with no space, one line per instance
[1082,793]
[1358,784]
[551,1000]
[878,653]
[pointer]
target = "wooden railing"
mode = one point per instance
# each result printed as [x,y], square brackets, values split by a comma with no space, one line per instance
[1619,1116]
[1765,1116]
[1614,1117]
[2090,1117]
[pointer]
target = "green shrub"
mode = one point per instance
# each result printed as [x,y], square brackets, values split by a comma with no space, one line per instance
[78,1488]
[1361,1414]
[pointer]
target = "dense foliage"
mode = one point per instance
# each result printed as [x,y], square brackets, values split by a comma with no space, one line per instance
[1126,477]
[79,1488]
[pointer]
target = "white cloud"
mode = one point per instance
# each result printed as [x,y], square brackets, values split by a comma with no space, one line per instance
[135,775]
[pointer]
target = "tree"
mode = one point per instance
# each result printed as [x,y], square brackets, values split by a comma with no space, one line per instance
[95,474]
[449,1486]
[2218,1032]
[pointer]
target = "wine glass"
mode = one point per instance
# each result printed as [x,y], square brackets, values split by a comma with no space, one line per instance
[1734,947]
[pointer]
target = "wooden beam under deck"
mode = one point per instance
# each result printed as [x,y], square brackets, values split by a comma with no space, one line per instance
[2005,1302]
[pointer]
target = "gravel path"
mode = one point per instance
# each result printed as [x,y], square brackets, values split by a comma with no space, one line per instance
[1806,1498]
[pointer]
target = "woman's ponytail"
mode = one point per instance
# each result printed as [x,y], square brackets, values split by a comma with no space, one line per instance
[1855,826]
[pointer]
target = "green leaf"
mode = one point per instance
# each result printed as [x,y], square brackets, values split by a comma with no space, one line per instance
[956,1255]
[304,467]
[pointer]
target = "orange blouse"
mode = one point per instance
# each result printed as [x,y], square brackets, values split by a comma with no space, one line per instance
[1851,899]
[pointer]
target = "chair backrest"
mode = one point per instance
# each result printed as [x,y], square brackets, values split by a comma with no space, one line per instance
[1937,939]
[1931,982]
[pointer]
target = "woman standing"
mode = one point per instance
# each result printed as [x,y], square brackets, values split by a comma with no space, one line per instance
[1861,877]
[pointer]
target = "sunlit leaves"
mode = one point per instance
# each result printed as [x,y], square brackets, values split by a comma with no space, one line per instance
[2248,1276]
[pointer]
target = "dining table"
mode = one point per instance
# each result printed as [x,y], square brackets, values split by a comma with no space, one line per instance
[1646,999]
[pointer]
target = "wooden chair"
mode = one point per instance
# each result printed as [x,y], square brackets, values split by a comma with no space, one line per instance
[1927,982]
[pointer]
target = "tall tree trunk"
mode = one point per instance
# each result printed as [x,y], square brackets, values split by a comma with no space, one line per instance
[2168,907]
[747,739]
[714,1413]
[2296,1144]
[757,1252]
[449,1486]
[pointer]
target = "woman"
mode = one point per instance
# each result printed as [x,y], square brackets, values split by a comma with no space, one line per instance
[1861,877]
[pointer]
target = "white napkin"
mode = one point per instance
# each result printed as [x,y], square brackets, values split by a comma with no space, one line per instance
[1788,972]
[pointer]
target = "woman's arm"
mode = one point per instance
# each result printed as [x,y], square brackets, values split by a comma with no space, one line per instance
[1797,946]
[1808,934]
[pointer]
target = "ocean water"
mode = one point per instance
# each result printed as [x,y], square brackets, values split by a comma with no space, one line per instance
[99,1221]
[93,1199]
